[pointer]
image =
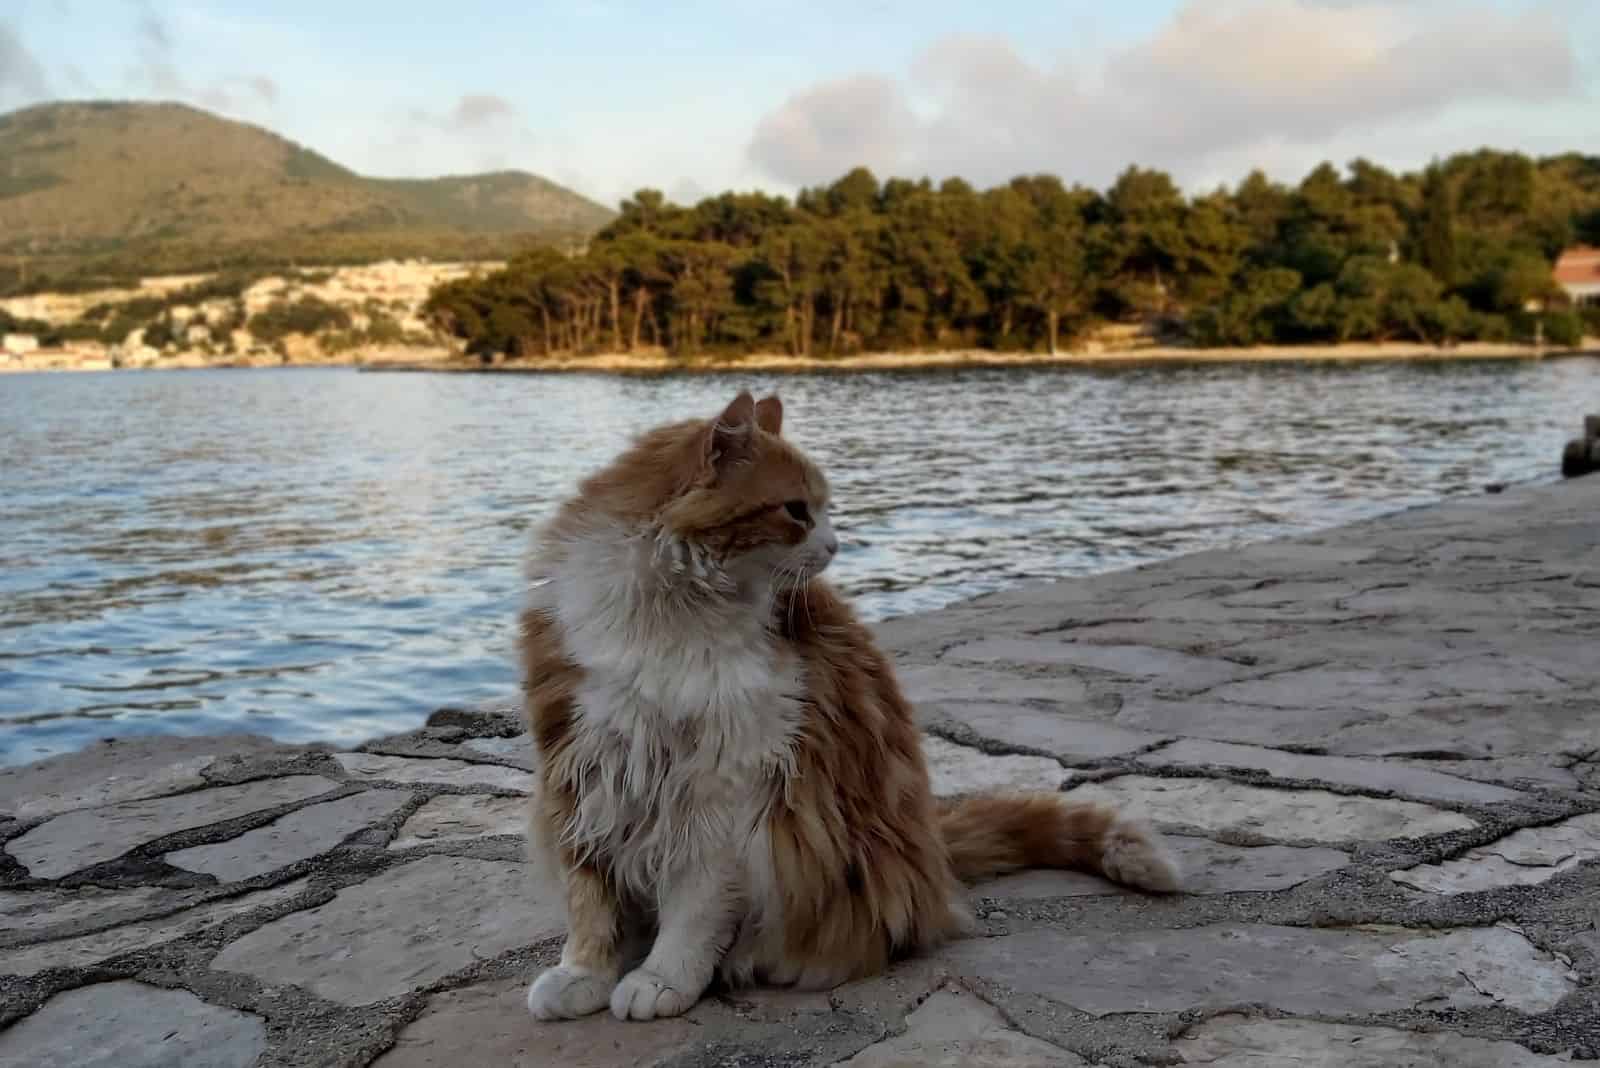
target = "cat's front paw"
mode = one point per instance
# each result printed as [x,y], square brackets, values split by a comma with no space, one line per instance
[644,995]
[567,992]
[1135,855]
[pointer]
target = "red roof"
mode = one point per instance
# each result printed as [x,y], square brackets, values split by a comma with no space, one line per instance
[1578,265]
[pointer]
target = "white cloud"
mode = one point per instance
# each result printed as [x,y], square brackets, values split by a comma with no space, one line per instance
[1222,81]
[823,131]
[480,109]
[22,77]
[156,71]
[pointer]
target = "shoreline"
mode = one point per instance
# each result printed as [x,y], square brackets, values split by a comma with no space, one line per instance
[657,363]
[961,359]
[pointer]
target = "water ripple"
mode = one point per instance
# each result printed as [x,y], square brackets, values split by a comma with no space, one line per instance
[316,554]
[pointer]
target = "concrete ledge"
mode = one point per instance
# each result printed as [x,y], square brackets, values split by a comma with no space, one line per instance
[1378,749]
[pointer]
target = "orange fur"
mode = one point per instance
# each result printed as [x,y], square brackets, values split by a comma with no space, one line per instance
[860,864]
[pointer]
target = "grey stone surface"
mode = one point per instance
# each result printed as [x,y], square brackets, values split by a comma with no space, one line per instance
[489,1025]
[517,749]
[1231,1041]
[302,833]
[1522,773]
[462,818]
[1172,670]
[1346,771]
[1208,868]
[132,1025]
[954,1029]
[25,912]
[1212,805]
[1296,970]
[122,769]
[1523,858]
[166,777]
[92,949]
[75,840]
[1035,728]
[399,930]
[928,684]
[959,769]
[371,766]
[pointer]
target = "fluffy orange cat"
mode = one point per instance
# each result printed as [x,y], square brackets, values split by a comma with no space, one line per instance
[724,756]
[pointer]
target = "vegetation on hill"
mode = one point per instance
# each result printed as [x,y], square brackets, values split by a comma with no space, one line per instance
[1456,252]
[93,195]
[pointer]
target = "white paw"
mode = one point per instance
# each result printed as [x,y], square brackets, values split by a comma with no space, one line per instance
[1135,855]
[567,992]
[644,995]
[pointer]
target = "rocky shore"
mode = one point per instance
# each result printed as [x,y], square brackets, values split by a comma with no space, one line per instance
[1094,355]
[1377,748]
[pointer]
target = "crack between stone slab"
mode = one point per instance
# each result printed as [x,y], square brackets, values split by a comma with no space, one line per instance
[1006,1016]
[967,738]
[1529,865]
[1258,677]
[1480,990]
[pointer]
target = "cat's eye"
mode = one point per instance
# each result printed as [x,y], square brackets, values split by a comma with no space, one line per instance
[798,511]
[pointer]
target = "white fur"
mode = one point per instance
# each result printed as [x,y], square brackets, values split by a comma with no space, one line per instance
[569,991]
[683,730]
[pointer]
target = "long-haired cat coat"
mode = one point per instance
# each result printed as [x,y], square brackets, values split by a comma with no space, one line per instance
[725,759]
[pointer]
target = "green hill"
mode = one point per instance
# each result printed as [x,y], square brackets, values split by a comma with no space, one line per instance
[91,192]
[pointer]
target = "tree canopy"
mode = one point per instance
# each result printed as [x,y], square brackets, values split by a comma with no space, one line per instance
[1455,252]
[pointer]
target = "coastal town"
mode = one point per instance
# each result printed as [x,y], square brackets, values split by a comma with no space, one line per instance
[377,318]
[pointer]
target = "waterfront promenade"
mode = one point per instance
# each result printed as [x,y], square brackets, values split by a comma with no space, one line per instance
[1377,748]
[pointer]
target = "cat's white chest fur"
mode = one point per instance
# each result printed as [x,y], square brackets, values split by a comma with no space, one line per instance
[683,724]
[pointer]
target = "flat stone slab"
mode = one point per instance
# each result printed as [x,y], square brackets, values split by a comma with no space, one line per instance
[1527,857]
[113,770]
[955,1029]
[1213,805]
[1208,868]
[1346,771]
[401,929]
[959,769]
[102,946]
[75,840]
[1239,1042]
[1294,969]
[925,684]
[1171,669]
[488,1024]
[1035,728]
[518,749]
[303,833]
[24,912]
[441,771]
[462,818]
[132,1025]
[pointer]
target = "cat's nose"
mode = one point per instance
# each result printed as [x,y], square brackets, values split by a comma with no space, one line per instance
[831,543]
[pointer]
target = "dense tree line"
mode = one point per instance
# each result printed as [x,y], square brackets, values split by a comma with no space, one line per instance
[1455,252]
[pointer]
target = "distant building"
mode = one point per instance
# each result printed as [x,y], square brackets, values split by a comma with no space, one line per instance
[1577,272]
[19,344]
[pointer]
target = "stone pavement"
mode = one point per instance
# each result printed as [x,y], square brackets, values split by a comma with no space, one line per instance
[1378,747]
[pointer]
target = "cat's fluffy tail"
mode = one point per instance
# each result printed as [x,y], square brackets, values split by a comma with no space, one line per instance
[989,836]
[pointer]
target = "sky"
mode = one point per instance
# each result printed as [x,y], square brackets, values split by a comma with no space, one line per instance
[694,97]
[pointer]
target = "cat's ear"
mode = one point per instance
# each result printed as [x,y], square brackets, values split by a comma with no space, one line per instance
[728,436]
[769,414]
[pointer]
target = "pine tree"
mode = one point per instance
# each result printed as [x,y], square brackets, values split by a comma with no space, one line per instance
[1437,244]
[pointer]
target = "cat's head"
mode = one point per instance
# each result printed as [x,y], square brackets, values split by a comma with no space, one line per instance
[732,489]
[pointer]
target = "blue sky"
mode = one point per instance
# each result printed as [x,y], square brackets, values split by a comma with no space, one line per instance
[699,96]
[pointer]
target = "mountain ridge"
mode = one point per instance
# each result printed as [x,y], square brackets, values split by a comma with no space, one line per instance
[92,191]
